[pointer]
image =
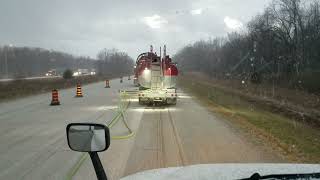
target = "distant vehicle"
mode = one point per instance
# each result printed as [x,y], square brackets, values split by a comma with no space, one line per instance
[81,72]
[52,72]
[156,78]
[93,72]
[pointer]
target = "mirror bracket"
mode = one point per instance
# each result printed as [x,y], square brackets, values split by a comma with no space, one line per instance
[101,175]
[78,135]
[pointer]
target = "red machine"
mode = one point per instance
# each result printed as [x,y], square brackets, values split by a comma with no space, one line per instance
[142,71]
[156,77]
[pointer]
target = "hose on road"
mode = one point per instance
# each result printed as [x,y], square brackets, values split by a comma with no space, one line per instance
[122,107]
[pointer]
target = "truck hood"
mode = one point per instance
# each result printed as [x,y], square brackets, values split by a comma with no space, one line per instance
[223,171]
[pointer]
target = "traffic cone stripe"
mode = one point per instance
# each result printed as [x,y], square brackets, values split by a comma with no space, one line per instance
[55,98]
[107,84]
[79,91]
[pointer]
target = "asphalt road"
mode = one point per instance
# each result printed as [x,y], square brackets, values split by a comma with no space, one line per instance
[171,136]
[33,140]
[30,78]
[32,134]
[33,78]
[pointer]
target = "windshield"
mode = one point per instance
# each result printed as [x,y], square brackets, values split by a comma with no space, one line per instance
[179,83]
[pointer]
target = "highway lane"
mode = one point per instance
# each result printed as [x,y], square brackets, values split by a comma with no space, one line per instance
[32,133]
[189,134]
[33,142]
[33,78]
[29,78]
[38,77]
[180,135]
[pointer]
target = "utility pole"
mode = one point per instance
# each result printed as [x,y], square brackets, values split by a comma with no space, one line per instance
[6,62]
[105,53]
[253,58]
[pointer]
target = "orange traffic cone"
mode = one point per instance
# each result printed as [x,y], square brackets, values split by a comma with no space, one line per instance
[55,98]
[107,84]
[79,91]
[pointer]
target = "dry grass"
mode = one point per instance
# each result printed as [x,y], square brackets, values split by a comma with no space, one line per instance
[290,103]
[295,96]
[22,88]
[295,140]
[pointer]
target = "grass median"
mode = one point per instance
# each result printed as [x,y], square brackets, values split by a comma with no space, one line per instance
[295,140]
[22,88]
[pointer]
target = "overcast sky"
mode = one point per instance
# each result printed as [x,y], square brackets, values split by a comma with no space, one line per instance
[84,27]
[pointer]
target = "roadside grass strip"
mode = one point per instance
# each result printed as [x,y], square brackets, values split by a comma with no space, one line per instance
[295,140]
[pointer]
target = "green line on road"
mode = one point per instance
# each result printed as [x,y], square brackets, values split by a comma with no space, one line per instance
[114,120]
[77,166]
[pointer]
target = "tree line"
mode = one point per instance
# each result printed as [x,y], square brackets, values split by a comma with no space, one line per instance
[17,62]
[280,45]
[114,62]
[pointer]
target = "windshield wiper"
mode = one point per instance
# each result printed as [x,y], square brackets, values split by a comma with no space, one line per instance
[257,176]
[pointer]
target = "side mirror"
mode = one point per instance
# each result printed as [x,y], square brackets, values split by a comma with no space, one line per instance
[91,138]
[88,137]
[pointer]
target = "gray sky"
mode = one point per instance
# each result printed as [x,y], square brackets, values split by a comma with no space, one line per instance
[84,27]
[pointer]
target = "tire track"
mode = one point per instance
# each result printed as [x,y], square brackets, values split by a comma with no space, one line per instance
[177,139]
[161,140]
[161,143]
[157,143]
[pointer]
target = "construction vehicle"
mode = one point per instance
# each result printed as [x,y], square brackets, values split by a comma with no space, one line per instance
[156,78]
[52,72]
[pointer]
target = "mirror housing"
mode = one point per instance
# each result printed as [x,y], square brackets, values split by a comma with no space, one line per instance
[88,137]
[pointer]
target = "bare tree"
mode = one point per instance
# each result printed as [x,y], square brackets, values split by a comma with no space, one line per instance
[281,45]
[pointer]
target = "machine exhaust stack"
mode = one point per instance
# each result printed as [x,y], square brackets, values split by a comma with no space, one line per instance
[151,48]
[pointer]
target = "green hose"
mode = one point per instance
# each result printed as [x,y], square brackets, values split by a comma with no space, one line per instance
[120,114]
